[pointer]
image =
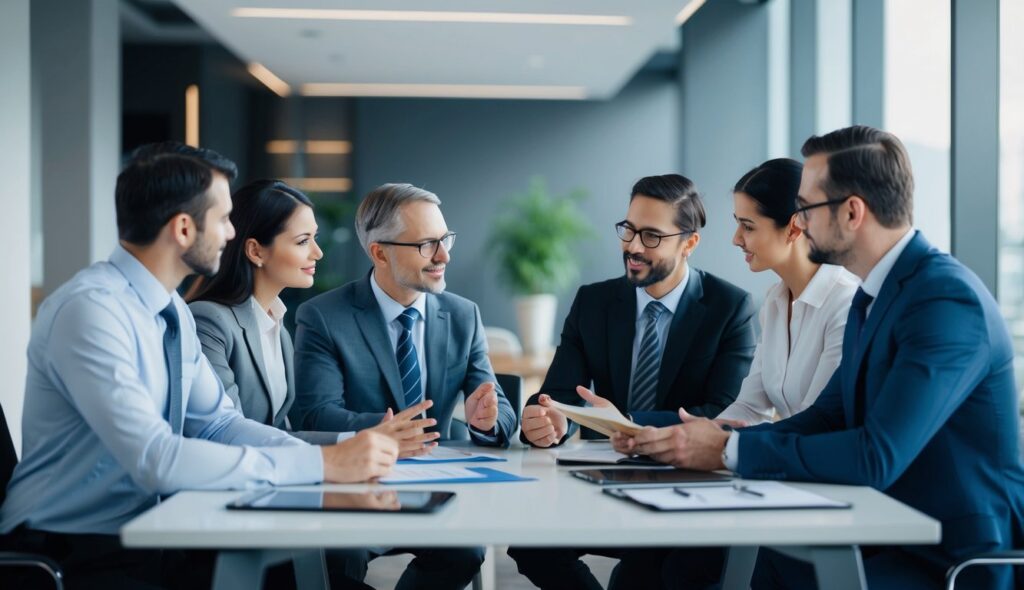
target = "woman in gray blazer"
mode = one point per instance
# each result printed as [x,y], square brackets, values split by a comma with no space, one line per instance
[239,313]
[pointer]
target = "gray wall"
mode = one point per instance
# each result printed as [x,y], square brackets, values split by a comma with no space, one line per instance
[474,154]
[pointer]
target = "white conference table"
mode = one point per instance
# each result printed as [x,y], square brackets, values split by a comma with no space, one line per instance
[555,510]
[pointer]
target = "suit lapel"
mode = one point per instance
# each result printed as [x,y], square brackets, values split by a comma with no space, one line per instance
[682,330]
[371,324]
[621,332]
[250,329]
[890,291]
[287,352]
[437,333]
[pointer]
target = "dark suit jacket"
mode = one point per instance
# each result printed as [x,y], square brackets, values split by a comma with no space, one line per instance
[925,409]
[707,354]
[347,374]
[231,342]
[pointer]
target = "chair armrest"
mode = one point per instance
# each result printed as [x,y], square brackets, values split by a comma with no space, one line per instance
[1007,557]
[19,559]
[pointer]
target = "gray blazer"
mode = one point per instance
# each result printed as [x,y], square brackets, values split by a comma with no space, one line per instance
[347,374]
[231,342]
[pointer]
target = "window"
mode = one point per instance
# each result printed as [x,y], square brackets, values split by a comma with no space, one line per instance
[1011,176]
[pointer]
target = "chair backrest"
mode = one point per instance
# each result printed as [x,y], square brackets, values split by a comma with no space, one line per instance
[512,386]
[8,457]
[502,341]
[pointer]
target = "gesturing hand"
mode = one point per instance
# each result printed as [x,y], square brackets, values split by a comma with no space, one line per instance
[482,408]
[543,426]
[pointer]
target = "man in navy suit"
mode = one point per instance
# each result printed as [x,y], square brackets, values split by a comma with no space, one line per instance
[923,406]
[394,338]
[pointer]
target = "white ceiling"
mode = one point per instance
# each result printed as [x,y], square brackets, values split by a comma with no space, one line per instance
[596,60]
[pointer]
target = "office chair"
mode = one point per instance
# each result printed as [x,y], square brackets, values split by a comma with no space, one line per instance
[512,386]
[1009,557]
[19,559]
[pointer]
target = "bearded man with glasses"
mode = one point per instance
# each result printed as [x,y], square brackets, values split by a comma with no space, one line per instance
[393,338]
[663,337]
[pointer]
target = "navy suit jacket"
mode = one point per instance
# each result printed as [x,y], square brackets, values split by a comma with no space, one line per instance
[925,409]
[707,353]
[346,374]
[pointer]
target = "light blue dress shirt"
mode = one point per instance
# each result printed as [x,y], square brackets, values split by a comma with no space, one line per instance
[97,447]
[671,302]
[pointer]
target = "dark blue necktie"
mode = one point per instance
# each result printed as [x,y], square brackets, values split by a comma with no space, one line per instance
[172,353]
[408,360]
[648,361]
[855,325]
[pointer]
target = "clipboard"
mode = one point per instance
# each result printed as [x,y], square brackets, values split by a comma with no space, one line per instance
[762,495]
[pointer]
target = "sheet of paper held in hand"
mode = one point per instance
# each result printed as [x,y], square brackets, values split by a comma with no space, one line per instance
[604,420]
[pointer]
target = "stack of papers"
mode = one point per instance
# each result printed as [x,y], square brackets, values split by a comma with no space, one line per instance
[450,455]
[737,496]
[602,456]
[406,474]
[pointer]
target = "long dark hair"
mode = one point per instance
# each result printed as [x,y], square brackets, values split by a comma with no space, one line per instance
[774,186]
[260,211]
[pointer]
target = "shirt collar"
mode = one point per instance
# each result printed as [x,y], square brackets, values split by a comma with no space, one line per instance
[873,282]
[150,290]
[268,321]
[391,308]
[817,290]
[670,300]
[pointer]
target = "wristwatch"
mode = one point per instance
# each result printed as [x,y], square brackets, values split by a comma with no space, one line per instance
[725,448]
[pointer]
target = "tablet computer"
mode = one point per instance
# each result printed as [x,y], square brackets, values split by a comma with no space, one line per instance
[647,477]
[378,501]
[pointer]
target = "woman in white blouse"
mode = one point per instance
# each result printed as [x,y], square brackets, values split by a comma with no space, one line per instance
[803,316]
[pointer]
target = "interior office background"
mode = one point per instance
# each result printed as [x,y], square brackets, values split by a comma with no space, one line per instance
[739,82]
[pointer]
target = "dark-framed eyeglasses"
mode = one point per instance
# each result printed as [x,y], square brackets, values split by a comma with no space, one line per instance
[649,238]
[428,248]
[803,211]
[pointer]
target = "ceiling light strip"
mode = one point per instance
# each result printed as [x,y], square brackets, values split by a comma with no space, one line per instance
[447,91]
[688,10]
[277,85]
[431,16]
[321,184]
[312,146]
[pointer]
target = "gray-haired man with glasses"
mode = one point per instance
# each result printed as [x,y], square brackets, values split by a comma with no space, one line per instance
[394,337]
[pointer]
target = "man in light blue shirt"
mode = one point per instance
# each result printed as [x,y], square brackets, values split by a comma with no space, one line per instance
[121,406]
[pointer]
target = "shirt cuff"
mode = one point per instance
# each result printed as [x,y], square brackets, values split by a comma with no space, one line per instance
[343,436]
[490,436]
[296,465]
[731,456]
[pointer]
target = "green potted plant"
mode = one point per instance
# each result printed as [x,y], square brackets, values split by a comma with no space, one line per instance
[534,239]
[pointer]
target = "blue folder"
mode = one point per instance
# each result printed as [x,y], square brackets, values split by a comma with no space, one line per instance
[493,476]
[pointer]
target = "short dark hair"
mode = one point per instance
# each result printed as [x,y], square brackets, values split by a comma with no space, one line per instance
[680,192]
[774,186]
[260,211]
[871,164]
[162,180]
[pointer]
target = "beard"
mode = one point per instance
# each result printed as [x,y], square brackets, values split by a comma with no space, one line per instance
[203,258]
[655,273]
[418,282]
[831,254]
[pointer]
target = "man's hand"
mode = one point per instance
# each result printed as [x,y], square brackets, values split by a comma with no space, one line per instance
[544,426]
[697,444]
[409,430]
[367,455]
[592,398]
[482,408]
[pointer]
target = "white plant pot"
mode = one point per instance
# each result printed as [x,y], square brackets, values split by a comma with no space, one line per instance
[536,315]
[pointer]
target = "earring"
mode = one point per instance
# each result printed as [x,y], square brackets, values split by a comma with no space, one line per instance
[259,265]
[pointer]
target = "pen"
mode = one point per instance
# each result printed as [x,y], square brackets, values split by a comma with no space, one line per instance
[681,492]
[742,489]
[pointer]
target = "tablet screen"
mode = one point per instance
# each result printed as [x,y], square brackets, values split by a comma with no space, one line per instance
[374,501]
[608,477]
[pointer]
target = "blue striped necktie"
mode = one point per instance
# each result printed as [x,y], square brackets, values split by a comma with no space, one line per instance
[408,359]
[648,361]
[172,353]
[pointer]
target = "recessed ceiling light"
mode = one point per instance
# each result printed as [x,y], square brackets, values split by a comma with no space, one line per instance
[504,91]
[434,16]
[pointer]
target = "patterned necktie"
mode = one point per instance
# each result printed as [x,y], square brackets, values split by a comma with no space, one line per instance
[408,360]
[855,325]
[648,361]
[172,353]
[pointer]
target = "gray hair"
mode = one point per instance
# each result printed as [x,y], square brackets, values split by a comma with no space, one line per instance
[377,217]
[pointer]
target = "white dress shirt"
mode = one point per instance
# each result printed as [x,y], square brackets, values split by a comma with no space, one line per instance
[671,302]
[795,357]
[872,285]
[273,358]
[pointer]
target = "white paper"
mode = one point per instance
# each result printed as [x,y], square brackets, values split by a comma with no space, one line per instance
[727,497]
[450,454]
[605,420]
[428,472]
